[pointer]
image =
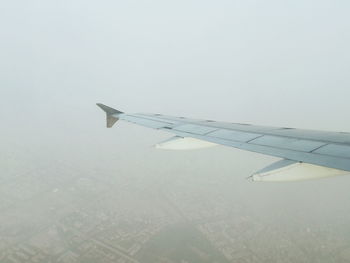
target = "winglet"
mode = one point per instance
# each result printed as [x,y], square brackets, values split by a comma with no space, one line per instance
[111,114]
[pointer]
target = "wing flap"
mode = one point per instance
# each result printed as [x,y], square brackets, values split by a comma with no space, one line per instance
[288,143]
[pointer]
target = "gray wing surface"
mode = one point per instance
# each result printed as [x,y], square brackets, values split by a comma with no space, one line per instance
[328,149]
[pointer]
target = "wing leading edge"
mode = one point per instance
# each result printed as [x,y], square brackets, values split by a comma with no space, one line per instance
[307,154]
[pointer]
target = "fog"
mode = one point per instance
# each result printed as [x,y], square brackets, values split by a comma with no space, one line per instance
[73,191]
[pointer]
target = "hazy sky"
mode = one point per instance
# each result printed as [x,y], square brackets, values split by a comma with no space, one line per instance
[280,63]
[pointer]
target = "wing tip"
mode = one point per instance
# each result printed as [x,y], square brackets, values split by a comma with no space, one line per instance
[111,114]
[108,110]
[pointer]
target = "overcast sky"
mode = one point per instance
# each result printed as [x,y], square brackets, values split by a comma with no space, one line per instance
[282,63]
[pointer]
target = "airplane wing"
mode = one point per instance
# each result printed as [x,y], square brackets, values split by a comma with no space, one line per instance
[306,154]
